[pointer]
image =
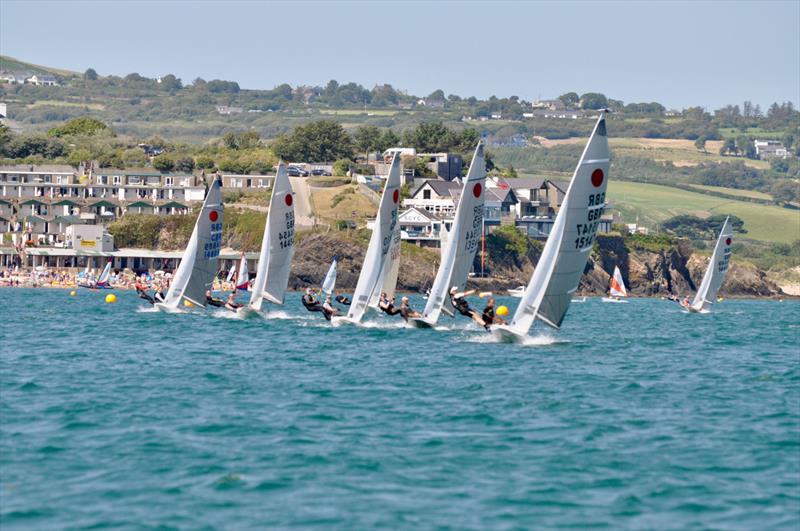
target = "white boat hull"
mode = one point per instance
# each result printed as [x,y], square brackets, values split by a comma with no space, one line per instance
[505,334]
[418,322]
[247,312]
[166,308]
[342,319]
[617,301]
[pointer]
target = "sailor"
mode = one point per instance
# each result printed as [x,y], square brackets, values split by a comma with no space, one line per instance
[387,305]
[159,294]
[328,309]
[407,311]
[489,317]
[685,302]
[459,302]
[231,304]
[141,290]
[343,299]
[312,304]
[211,301]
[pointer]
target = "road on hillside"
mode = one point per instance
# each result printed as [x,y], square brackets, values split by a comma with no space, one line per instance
[303,216]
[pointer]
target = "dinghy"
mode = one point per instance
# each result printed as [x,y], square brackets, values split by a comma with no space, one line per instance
[329,284]
[517,292]
[102,282]
[715,272]
[277,247]
[243,275]
[195,274]
[462,243]
[374,269]
[387,282]
[616,289]
[564,256]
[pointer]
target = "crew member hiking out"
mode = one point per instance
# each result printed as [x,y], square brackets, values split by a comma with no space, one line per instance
[459,302]
[407,311]
[387,305]
[312,304]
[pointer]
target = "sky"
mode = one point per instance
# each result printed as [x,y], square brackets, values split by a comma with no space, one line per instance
[677,53]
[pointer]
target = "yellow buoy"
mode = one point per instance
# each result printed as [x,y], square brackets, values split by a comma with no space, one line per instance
[188,303]
[502,311]
[111,298]
[73,293]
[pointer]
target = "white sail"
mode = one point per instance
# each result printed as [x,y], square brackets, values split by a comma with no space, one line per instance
[564,256]
[243,276]
[464,238]
[717,267]
[277,247]
[195,274]
[379,245]
[617,286]
[231,272]
[105,274]
[387,283]
[329,284]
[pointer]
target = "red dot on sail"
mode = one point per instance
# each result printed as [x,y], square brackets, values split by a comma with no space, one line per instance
[213,215]
[728,241]
[477,189]
[288,199]
[396,196]
[597,177]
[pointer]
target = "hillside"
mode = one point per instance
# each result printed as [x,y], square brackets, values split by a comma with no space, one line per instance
[15,65]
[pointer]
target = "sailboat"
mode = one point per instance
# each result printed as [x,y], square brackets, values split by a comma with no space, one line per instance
[517,292]
[376,262]
[715,272]
[387,282]
[616,288]
[195,274]
[462,244]
[564,256]
[231,273]
[243,275]
[277,247]
[329,284]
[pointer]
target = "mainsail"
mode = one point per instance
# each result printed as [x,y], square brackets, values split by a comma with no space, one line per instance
[243,276]
[617,286]
[277,247]
[329,284]
[564,256]
[717,267]
[103,280]
[387,281]
[464,238]
[380,242]
[195,274]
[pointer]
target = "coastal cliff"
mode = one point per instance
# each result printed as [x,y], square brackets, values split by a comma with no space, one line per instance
[660,270]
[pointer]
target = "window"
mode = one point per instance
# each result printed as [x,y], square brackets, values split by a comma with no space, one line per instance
[167,181]
[426,194]
[58,179]
[48,178]
[117,179]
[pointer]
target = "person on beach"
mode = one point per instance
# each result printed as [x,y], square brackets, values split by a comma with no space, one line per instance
[406,311]
[459,302]
[489,316]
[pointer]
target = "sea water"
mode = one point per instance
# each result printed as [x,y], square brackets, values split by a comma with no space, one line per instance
[633,416]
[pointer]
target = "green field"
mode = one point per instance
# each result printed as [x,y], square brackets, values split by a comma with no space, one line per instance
[14,65]
[355,112]
[734,191]
[653,204]
[760,134]
[56,103]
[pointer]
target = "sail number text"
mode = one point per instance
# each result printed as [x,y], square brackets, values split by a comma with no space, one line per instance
[286,237]
[211,249]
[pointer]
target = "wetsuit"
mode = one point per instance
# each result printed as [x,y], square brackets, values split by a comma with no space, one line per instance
[312,305]
[342,299]
[407,312]
[211,301]
[143,294]
[461,305]
[488,315]
[159,296]
[388,308]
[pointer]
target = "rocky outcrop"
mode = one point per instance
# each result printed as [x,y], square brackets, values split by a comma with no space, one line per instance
[673,269]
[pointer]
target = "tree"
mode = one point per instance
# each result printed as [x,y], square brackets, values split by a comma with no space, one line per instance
[593,100]
[78,126]
[170,82]
[728,147]
[387,140]
[204,162]
[320,141]
[367,138]
[570,99]
[90,74]
[184,164]
[786,191]
[163,163]
[700,143]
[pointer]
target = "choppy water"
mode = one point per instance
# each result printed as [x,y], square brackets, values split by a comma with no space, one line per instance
[633,416]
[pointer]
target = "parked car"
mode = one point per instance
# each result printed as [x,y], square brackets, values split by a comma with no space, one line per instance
[320,171]
[294,171]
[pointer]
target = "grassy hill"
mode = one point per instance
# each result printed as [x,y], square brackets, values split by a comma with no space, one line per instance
[15,65]
[654,203]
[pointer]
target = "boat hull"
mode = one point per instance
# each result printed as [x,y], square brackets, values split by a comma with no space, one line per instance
[165,308]
[615,301]
[247,312]
[418,322]
[342,319]
[505,334]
